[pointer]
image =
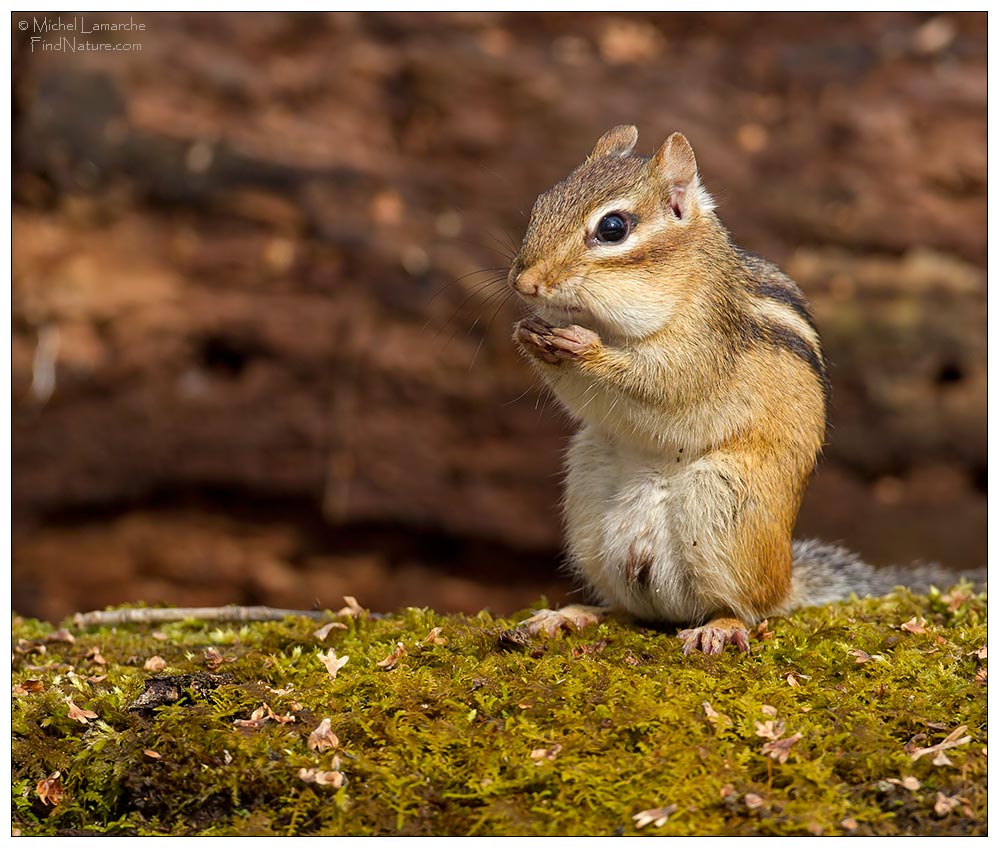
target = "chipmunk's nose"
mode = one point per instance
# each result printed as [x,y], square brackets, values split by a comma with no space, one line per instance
[528,282]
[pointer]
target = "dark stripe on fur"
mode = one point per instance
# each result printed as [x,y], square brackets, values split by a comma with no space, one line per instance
[779,336]
[767,280]
[764,279]
[788,296]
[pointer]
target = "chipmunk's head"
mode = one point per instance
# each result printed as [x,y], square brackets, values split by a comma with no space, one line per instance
[616,244]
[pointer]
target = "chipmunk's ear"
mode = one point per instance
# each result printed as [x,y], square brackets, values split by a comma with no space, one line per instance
[619,141]
[675,168]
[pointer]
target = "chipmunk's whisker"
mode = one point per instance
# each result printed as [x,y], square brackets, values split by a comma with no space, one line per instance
[457,280]
[477,289]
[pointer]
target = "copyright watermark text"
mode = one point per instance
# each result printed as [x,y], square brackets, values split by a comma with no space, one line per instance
[79,34]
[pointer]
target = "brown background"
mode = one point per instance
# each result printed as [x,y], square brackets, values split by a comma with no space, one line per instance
[258,355]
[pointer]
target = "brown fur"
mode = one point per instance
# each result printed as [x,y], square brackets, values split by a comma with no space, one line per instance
[636,568]
[675,343]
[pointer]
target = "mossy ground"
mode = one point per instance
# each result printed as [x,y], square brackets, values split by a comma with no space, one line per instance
[575,737]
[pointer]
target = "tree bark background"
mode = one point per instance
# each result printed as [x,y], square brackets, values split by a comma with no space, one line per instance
[258,350]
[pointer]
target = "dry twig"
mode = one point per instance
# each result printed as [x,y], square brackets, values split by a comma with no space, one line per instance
[159,615]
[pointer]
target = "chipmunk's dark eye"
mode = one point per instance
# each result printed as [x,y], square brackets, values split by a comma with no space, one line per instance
[613,228]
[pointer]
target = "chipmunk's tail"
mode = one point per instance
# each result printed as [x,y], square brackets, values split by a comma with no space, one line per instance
[822,573]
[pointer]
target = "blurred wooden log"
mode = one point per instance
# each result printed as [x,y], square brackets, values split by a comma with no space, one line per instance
[241,257]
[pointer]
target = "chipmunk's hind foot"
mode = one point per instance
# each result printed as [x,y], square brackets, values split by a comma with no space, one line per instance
[547,621]
[711,638]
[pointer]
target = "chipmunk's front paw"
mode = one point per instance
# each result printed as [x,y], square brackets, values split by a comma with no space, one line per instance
[573,341]
[711,638]
[554,344]
[535,337]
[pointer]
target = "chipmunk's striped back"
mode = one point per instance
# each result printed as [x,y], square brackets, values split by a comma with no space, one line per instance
[782,317]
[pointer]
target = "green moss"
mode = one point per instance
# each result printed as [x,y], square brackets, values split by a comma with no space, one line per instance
[573,737]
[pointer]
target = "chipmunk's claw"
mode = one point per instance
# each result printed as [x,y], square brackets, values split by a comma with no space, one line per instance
[711,638]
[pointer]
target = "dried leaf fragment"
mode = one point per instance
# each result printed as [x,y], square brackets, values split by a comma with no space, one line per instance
[946,803]
[50,789]
[953,740]
[752,800]
[80,715]
[862,656]
[323,738]
[25,646]
[94,654]
[779,749]
[261,715]
[908,782]
[589,649]
[321,778]
[434,637]
[213,659]
[772,730]
[983,652]
[914,625]
[768,710]
[545,755]
[353,608]
[154,663]
[28,687]
[324,631]
[62,635]
[762,632]
[718,720]
[390,661]
[287,718]
[257,719]
[955,598]
[332,662]
[941,759]
[982,677]
[657,816]
[152,755]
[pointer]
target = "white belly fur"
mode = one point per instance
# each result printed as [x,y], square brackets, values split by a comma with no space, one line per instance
[624,510]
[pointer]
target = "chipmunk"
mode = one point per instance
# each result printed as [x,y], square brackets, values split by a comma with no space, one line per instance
[698,376]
